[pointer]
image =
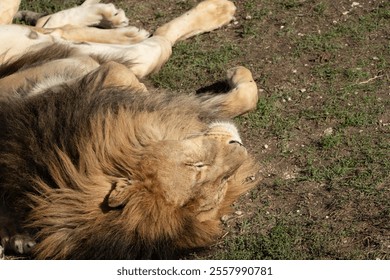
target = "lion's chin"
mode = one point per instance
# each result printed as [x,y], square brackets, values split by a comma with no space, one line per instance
[207,215]
[210,208]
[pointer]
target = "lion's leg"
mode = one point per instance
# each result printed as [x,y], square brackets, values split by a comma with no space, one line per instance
[206,16]
[125,35]
[8,9]
[18,39]
[52,73]
[150,55]
[87,14]
[241,98]
[144,58]
[118,75]
[155,51]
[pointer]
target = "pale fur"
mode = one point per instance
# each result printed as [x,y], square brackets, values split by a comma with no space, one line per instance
[8,9]
[87,14]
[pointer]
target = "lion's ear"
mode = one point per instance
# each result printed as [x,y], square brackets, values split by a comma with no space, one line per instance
[119,193]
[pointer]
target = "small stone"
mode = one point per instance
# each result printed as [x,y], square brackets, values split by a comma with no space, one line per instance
[225,218]
[302,90]
[266,146]
[248,17]
[328,131]
[238,213]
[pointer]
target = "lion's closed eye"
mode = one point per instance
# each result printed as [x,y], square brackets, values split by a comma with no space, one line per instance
[199,164]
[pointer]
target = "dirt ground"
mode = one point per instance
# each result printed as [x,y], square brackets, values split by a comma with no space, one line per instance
[321,129]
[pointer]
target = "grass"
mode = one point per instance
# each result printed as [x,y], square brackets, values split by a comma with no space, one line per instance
[47,6]
[279,243]
[349,161]
[189,56]
[323,69]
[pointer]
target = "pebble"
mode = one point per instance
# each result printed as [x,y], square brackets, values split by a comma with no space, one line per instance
[225,218]
[328,131]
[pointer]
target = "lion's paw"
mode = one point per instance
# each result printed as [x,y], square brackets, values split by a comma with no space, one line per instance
[112,17]
[216,12]
[206,16]
[239,75]
[2,256]
[21,243]
[244,94]
[88,14]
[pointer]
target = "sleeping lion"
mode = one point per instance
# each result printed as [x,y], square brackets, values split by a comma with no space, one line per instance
[92,165]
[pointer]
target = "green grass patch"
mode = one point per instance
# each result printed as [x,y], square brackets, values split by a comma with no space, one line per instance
[280,243]
[355,161]
[48,6]
[191,65]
